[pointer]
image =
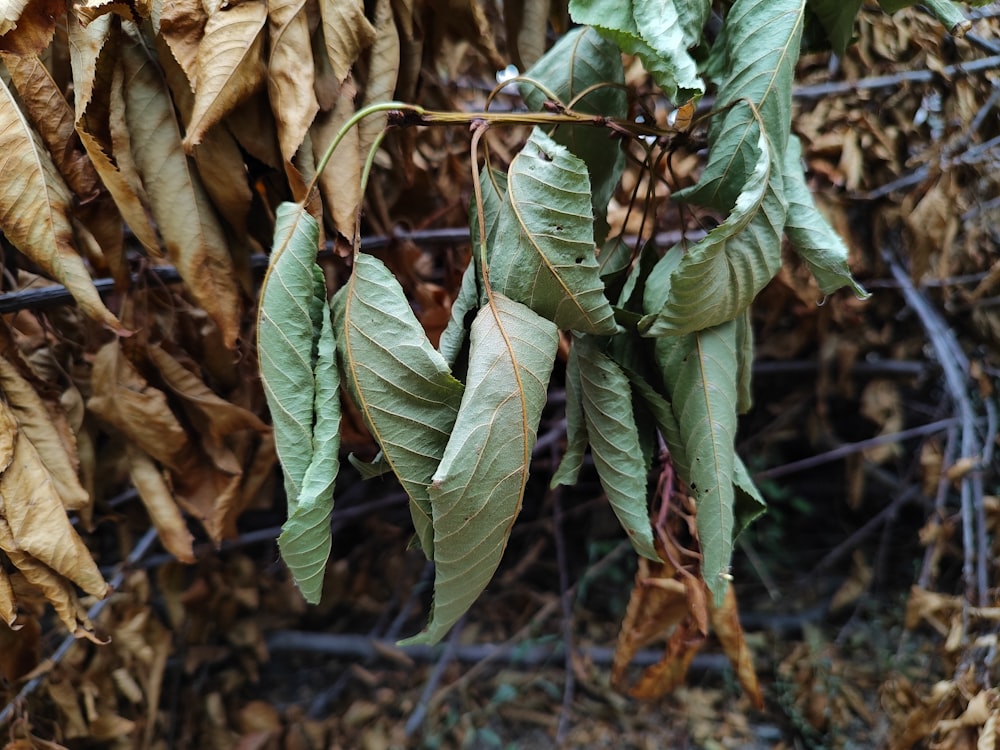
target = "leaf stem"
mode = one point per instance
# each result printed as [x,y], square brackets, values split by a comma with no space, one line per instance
[365,174]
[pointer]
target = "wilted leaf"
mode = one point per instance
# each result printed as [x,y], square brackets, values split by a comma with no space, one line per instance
[346,33]
[182,26]
[667,675]
[576,427]
[658,32]
[35,206]
[306,537]
[700,373]
[399,382]
[820,247]
[527,22]
[454,334]
[383,72]
[837,19]
[726,624]
[230,64]
[477,490]
[292,299]
[38,522]
[197,244]
[27,26]
[56,447]
[340,182]
[290,73]
[156,496]
[8,605]
[614,442]
[543,251]
[581,59]
[717,279]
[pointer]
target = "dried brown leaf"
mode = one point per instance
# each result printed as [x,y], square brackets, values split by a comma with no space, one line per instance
[290,73]
[8,606]
[49,433]
[346,32]
[34,209]
[27,28]
[230,64]
[91,10]
[340,182]
[383,72]
[182,26]
[726,624]
[669,673]
[160,504]
[197,243]
[38,522]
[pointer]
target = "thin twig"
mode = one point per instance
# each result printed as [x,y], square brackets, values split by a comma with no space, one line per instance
[566,601]
[416,719]
[954,365]
[139,551]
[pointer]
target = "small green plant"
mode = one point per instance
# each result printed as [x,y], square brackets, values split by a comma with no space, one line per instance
[662,332]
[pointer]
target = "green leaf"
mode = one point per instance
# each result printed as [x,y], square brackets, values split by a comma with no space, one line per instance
[306,537]
[760,45]
[614,442]
[401,385]
[699,370]
[478,488]
[454,334]
[744,363]
[543,252]
[820,247]
[749,503]
[658,32]
[576,429]
[837,19]
[292,300]
[717,278]
[580,59]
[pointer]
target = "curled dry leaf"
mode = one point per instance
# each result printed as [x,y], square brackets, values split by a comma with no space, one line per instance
[383,72]
[346,32]
[197,244]
[182,26]
[290,73]
[160,504]
[230,64]
[37,520]
[34,210]
[48,432]
[726,624]
[27,26]
[8,607]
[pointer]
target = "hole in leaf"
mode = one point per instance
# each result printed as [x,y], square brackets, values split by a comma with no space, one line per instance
[579,260]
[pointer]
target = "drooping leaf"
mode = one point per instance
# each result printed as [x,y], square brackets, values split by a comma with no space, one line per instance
[837,20]
[526,22]
[56,448]
[35,209]
[158,499]
[340,182]
[759,49]
[477,490]
[749,503]
[580,59]
[401,385]
[306,537]
[699,370]
[38,521]
[744,363]
[383,72]
[820,247]
[288,320]
[290,74]
[346,32]
[197,245]
[576,427]
[614,442]
[27,27]
[230,64]
[659,33]
[454,335]
[717,278]
[182,26]
[947,12]
[543,252]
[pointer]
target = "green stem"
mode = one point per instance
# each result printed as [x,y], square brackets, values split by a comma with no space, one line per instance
[365,173]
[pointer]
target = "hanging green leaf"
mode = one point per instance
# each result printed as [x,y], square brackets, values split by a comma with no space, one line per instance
[744,363]
[659,32]
[582,58]
[454,334]
[306,537]
[717,278]
[576,428]
[699,370]
[292,299]
[759,46]
[477,491]
[399,382]
[614,442]
[543,252]
[836,17]
[820,247]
